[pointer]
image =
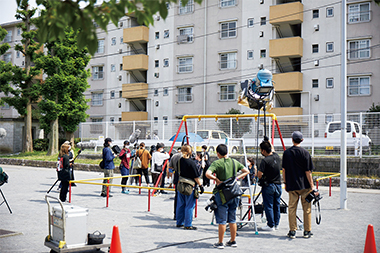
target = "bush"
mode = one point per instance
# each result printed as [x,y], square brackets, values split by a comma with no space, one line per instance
[41,144]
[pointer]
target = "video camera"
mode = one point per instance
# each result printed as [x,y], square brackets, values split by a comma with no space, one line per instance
[3,177]
[311,197]
[211,205]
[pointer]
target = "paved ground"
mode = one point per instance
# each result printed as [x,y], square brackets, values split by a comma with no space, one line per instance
[142,231]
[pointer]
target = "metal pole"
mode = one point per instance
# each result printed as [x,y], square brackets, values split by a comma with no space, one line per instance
[312,116]
[343,111]
[361,135]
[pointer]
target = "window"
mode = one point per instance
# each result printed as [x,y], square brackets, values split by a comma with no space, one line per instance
[7,57]
[185,94]
[112,94]
[358,49]
[113,41]
[329,83]
[121,40]
[100,49]
[166,62]
[121,67]
[329,118]
[359,86]
[315,48]
[120,95]
[5,106]
[185,65]
[314,83]
[263,21]
[157,35]
[155,120]
[113,68]
[166,34]
[250,55]
[227,92]
[119,119]
[330,12]
[263,53]
[186,34]
[251,22]
[358,12]
[8,37]
[97,73]
[18,31]
[166,92]
[165,118]
[96,99]
[112,119]
[156,63]
[228,60]
[228,30]
[188,8]
[155,92]
[330,47]
[17,54]
[96,128]
[315,13]
[315,118]
[227,3]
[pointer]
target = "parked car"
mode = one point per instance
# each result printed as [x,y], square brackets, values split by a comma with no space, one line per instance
[211,136]
[353,131]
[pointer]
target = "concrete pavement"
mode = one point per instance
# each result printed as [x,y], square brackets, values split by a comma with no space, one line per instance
[155,231]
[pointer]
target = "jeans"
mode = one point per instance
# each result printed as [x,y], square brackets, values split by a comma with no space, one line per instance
[227,212]
[124,172]
[185,209]
[271,201]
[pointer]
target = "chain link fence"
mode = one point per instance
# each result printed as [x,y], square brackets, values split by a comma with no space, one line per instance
[321,132]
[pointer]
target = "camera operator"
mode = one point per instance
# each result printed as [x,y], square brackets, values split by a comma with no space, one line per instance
[270,181]
[223,169]
[297,167]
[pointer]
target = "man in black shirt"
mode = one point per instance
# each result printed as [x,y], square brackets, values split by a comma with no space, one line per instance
[297,167]
[270,178]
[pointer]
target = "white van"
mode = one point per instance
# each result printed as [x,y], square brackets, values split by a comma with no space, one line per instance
[353,131]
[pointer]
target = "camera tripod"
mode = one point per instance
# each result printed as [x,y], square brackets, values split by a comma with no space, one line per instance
[5,201]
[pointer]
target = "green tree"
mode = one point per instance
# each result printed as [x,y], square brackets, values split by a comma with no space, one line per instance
[20,85]
[63,103]
[60,14]
[373,119]
[239,128]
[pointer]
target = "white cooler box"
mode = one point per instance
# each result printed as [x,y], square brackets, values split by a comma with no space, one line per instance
[76,225]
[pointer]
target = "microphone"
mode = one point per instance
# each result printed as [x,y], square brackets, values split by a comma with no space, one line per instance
[134,136]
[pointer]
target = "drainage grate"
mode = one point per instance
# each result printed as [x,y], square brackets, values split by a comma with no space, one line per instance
[6,233]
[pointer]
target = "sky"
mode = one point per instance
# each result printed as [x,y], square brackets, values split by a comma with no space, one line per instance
[8,10]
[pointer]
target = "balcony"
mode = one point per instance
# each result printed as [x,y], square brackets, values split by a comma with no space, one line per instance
[136,34]
[135,62]
[135,90]
[291,13]
[284,111]
[291,81]
[286,47]
[131,116]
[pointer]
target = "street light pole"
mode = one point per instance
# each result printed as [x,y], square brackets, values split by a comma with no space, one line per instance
[343,109]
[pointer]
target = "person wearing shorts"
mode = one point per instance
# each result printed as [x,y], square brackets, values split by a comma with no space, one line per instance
[226,212]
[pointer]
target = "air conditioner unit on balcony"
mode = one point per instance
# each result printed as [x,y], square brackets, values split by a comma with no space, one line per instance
[158,46]
[316,63]
[120,77]
[120,50]
[316,27]
[316,98]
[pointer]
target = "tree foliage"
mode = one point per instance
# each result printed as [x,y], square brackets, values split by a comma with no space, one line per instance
[60,14]
[373,119]
[239,128]
[62,92]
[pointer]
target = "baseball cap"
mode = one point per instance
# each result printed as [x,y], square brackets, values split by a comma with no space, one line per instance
[297,136]
[126,142]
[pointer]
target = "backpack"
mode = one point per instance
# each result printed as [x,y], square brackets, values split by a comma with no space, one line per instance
[60,164]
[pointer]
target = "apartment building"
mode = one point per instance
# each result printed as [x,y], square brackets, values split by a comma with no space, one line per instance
[193,62]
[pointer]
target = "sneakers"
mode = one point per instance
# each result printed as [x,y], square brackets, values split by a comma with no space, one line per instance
[218,245]
[291,234]
[125,191]
[191,228]
[276,227]
[267,228]
[307,234]
[231,244]
[105,195]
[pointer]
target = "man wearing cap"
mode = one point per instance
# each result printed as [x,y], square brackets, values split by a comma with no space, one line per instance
[297,167]
[109,166]
[125,156]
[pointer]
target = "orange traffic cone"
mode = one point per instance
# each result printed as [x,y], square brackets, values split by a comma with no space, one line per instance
[370,243]
[115,241]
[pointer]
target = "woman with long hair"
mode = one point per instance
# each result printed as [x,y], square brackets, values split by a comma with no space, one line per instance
[64,170]
[186,203]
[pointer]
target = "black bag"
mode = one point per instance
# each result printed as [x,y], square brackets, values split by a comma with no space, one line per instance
[101,164]
[3,177]
[185,186]
[157,168]
[229,188]
[95,238]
